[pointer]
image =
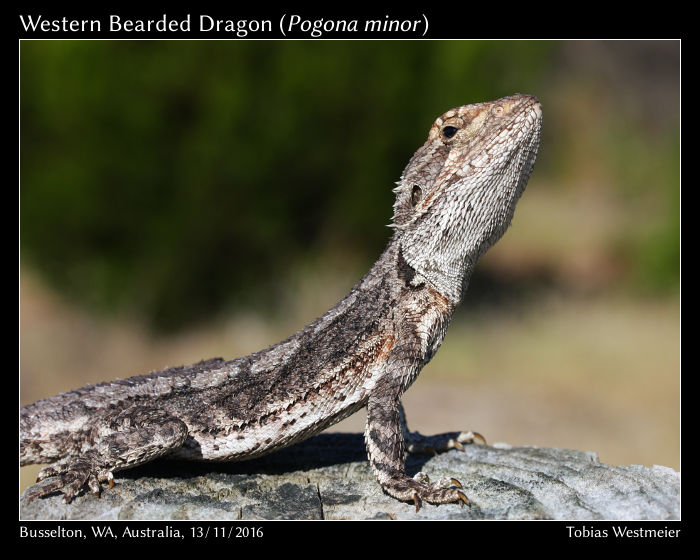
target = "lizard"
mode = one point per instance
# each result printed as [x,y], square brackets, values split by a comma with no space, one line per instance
[455,198]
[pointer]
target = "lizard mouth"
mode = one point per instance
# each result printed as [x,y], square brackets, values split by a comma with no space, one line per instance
[526,117]
[525,113]
[528,112]
[523,102]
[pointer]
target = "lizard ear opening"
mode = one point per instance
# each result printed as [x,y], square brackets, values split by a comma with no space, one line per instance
[408,199]
[416,195]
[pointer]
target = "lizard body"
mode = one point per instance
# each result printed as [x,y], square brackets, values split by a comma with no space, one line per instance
[456,197]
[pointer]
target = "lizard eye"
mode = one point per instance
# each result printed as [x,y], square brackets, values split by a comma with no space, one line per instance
[416,195]
[449,131]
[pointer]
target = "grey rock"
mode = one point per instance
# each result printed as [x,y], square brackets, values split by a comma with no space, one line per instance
[328,477]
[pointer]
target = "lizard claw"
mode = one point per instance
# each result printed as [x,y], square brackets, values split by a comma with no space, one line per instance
[463,499]
[106,476]
[416,500]
[477,435]
[469,437]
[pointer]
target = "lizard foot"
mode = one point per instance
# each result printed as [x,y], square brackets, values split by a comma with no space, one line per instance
[417,443]
[131,437]
[419,489]
[70,475]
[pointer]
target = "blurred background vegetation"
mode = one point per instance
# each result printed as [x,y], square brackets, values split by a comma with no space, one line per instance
[181,200]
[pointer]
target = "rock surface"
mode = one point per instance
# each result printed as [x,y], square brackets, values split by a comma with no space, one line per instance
[328,477]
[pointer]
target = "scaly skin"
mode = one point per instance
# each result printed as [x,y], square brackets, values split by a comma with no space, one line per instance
[455,199]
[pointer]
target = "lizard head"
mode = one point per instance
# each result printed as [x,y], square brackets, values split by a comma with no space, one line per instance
[457,195]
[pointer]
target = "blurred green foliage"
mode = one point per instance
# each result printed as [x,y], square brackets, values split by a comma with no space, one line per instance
[174,179]
[653,246]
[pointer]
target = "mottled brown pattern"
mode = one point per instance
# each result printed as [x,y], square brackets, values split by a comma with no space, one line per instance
[454,200]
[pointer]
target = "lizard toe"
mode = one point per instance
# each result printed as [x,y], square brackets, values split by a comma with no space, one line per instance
[470,437]
[54,469]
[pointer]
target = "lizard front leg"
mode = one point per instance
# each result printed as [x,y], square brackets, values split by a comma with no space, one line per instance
[132,437]
[386,451]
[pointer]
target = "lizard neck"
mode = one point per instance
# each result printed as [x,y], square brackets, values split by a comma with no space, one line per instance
[414,295]
[446,273]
